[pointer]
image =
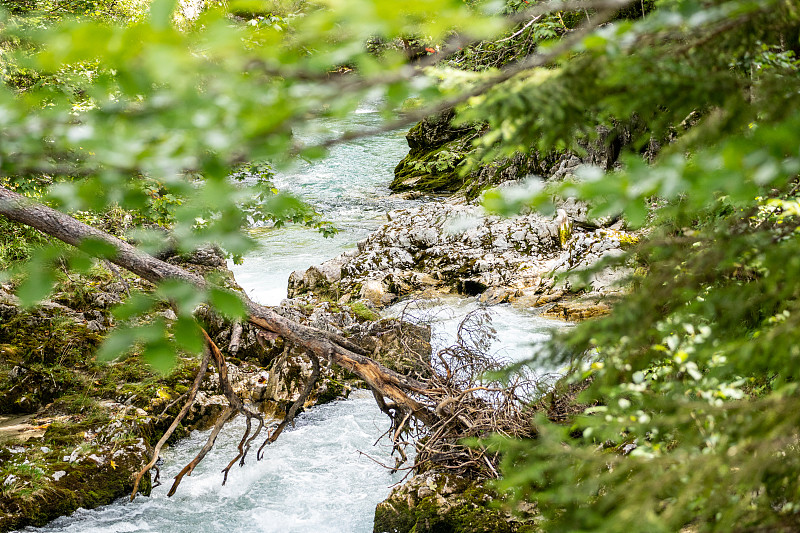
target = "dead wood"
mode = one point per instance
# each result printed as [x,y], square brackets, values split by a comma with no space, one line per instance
[187,470]
[451,403]
[384,382]
[198,379]
[323,344]
[235,403]
[236,338]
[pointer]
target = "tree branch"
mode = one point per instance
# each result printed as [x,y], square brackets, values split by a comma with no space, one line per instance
[198,379]
[331,346]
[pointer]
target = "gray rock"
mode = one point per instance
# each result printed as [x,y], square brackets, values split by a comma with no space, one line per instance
[495,295]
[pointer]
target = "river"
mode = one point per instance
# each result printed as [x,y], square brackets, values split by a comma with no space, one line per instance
[315,478]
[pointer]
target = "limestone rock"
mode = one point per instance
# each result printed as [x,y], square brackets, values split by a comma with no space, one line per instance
[432,502]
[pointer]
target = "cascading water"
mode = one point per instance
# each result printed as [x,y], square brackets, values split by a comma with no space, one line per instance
[314,478]
[311,479]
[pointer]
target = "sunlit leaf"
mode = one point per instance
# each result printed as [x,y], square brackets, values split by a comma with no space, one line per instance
[227,303]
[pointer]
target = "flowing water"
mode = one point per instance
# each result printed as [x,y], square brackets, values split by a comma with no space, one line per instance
[311,479]
[315,478]
[349,187]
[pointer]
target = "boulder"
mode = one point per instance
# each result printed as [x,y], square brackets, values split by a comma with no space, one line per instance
[432,502]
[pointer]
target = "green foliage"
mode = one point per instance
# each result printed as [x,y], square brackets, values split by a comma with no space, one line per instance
[693,393]
[444,160]
[144,331]
[363,312]
[693,376]
[16,243]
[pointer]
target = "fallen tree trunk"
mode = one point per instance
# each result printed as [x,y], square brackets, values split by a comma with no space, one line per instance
[384,382]
[435,415]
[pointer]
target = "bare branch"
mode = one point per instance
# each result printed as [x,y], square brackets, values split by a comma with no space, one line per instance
[198,379]
[226,415]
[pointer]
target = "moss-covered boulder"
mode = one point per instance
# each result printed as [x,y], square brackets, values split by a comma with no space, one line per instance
[73,431]
[438,151]
[82,460]
[442,503]
[437,148]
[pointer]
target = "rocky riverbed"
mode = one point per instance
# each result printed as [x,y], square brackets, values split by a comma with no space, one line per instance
[73,432]
[454,248]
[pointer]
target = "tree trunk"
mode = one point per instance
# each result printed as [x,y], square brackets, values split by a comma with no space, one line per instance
[337,349]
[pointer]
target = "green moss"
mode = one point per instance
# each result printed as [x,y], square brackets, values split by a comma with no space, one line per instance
[35,496]
[50,340]
[71,433]
[85,484]
[363,312]
[332,390]
[470,509]
[428,171]
[134,381]
[17,242]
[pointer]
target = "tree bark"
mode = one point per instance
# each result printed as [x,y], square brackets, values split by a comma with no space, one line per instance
[337,349]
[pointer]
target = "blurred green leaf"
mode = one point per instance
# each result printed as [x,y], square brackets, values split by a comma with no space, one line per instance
[137,304]
[37,285]
[183,294]
[188,335]
[118,343]
[99,248]
[227,303]
[160,356]
[161,12]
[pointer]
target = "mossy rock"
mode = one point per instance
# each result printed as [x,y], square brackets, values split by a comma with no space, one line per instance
[437,151]
[439,503]
[85,484]
[431,170]
[80,461]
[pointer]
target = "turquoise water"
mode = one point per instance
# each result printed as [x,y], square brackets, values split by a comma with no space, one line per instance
[348,187]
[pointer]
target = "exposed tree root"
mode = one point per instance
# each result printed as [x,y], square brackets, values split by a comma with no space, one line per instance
[187,470]
[244,446]
[236,404]
[198,379]
[224,383]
